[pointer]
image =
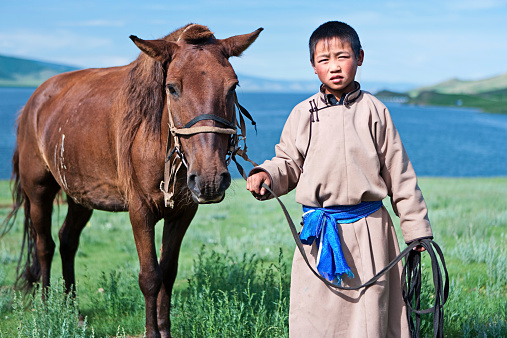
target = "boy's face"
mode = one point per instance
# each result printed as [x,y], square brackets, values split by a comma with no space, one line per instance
[336,64]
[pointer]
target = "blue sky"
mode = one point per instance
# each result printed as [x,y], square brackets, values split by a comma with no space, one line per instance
[419,42]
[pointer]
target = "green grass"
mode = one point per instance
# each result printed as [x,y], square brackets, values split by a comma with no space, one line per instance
[233,275]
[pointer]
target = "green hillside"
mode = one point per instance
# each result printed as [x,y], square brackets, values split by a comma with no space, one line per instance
[456,86]
[492,102]
[489,95]
[16,72]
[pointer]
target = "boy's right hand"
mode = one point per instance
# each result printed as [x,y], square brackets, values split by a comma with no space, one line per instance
[254,184]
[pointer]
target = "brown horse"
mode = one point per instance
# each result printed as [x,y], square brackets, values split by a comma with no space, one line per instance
[102,136]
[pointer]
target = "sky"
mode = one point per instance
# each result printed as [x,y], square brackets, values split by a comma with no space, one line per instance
[417,42]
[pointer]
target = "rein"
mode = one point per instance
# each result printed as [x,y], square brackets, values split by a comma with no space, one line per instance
[410,279]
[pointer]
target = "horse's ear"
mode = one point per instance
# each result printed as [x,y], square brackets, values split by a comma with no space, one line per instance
[235,45]
[160,50]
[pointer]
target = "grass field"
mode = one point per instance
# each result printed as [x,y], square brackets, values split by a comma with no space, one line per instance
[235,263]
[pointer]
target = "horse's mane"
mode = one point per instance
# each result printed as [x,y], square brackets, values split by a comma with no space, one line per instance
[142,97]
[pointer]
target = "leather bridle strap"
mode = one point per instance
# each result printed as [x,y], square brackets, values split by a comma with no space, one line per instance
[209,117]
[189,129]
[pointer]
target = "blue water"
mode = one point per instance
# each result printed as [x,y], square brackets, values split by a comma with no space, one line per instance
[440,141]
[11,101]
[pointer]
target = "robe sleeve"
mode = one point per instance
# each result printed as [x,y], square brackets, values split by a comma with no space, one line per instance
[401,181]
[285,168]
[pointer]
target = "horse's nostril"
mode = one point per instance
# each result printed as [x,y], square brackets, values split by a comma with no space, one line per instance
[225,180]
[192,181]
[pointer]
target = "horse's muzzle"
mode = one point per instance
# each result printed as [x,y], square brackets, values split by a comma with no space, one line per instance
[208,190]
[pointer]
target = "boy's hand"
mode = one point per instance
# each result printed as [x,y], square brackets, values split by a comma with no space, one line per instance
[254,183]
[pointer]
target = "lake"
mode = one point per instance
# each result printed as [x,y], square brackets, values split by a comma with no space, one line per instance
[451,142]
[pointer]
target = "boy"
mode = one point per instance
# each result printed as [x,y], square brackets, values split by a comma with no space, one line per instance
[341,149]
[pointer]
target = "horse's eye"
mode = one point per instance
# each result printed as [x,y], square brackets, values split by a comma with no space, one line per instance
[171,89]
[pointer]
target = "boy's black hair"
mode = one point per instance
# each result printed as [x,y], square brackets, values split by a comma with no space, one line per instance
[334,29]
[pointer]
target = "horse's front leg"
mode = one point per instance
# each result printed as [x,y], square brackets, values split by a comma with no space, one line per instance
[150,276]
[175,227]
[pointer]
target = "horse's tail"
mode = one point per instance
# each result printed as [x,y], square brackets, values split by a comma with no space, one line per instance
[30,273]
[17,196]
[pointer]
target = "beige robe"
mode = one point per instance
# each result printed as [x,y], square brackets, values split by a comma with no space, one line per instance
[354,154]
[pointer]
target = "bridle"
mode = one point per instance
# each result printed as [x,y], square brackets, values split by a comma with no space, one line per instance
[173,163]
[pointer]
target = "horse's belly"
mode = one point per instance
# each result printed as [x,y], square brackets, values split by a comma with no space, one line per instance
[100,200]
[92,182]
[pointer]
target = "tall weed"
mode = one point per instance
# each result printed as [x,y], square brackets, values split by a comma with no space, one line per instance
[56,316]
[493,253]
[116,299]
[479,311]
[117,296]
[227,297]
[6,294]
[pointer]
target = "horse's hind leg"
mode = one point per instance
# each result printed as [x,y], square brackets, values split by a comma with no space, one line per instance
[40,198]
[77,217]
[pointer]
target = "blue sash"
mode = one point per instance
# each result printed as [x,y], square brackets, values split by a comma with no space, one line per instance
[320,225]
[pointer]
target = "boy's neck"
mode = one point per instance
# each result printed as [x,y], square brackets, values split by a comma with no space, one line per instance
[339,94]
[334,101]
[338,97]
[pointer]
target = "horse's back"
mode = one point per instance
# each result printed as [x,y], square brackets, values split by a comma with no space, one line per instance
[68,131]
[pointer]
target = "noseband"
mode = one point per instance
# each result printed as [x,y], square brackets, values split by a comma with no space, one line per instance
[173,163]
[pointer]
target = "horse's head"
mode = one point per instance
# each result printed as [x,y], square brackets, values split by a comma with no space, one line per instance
[200,81]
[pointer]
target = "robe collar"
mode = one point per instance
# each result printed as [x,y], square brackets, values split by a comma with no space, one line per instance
[346,99]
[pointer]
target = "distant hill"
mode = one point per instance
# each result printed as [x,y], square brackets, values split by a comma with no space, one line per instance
[17,72]
[390,96]
[456,86]
[492,102]
[258,84]
[489,95]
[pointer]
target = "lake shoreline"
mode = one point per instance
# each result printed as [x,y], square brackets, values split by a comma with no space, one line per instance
[448,142]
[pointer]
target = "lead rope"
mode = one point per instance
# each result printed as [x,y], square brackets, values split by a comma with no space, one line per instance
[410,280]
